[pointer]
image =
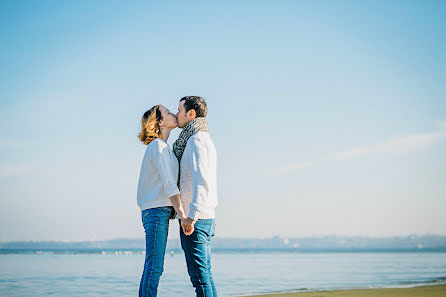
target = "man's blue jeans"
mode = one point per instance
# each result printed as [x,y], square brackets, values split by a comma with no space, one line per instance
[197,250]
[156,226]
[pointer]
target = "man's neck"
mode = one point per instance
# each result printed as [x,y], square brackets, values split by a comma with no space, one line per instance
[189,122]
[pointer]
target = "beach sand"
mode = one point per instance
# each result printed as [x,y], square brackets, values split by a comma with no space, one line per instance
[427,291]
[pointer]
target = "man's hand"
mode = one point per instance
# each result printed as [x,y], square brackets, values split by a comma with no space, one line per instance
[188,226]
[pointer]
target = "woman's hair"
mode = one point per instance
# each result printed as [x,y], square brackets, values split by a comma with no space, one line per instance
[150,128]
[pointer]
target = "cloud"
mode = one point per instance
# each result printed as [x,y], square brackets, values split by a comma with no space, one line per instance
[15,170]
[396,145]
[13,144]
[8,169]
[410,142]
[286,169]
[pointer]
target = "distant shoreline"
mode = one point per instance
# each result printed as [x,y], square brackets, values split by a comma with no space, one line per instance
[416,291]
[296,244]
[128,251]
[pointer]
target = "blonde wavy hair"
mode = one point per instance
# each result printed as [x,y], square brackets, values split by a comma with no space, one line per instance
[150,128]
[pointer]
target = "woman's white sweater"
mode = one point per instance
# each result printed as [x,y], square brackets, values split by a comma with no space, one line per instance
[158,176]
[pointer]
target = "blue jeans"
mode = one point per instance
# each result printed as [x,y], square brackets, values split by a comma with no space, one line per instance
[156,226]
[197,250]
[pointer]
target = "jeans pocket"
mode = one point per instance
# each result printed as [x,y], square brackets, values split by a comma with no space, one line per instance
[145,215]
[213,229]
[205,226]
[154,214]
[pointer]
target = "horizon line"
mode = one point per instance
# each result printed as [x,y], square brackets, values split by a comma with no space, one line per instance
[245,238]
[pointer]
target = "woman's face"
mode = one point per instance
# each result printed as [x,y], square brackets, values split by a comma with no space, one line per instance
[168,119]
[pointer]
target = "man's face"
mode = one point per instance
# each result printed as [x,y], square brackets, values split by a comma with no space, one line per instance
[182,116]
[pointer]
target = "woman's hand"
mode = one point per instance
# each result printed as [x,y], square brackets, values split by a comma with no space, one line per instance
[188,226]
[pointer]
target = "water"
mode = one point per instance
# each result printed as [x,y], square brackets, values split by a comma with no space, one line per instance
[115,273]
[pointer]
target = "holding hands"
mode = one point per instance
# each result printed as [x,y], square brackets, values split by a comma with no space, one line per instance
[188,225]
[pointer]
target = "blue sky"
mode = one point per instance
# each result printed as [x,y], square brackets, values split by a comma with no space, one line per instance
[328,117]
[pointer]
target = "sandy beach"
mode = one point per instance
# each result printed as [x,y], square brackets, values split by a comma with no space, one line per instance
[425,291]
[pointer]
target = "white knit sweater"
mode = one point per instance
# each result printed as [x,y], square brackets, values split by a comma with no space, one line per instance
[198,180]
[158,176]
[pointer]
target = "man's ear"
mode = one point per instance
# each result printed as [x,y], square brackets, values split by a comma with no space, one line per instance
[192,113]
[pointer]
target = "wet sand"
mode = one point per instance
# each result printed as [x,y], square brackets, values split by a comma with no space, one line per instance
[425,291]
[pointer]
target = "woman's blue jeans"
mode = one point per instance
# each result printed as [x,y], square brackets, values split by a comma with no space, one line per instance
[197,250]
[156,226]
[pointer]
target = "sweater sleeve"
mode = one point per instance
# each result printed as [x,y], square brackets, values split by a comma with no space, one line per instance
[198,160]
[164,167]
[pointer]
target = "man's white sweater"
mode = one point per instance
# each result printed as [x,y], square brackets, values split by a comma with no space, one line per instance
[198,177]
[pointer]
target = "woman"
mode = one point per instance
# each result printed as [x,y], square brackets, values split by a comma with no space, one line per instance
[157,192]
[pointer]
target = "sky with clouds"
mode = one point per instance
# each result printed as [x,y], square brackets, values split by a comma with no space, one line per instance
[328,117]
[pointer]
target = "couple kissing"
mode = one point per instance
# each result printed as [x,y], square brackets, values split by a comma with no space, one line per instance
[182,184]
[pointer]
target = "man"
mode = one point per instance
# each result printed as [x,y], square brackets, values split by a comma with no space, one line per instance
[198,189]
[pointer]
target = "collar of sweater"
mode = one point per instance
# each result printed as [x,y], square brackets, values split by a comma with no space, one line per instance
[194,126]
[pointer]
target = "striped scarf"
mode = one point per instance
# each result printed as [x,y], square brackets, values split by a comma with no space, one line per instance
[194,126]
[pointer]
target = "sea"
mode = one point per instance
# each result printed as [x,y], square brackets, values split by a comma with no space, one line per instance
[236,272]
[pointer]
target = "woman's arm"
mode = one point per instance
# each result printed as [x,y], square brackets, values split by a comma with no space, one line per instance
[176,203]
[168,179]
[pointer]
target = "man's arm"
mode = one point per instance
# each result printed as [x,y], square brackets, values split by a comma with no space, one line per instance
[198,161]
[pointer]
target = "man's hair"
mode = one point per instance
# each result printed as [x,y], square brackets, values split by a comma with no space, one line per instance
[196,103]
